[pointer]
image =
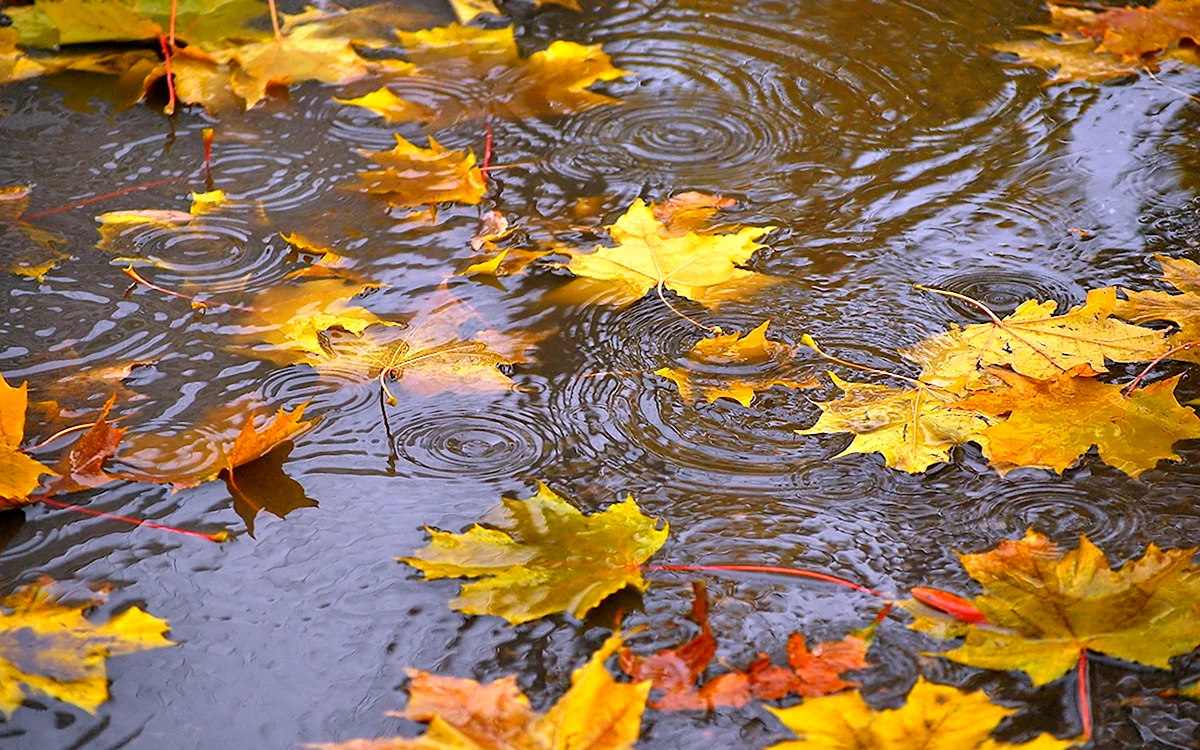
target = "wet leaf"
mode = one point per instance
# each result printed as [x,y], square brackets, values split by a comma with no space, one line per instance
[1052,423]
[83,466]
[596,713]
[30,251]
[51,649]
[415,176]
[934,716]
[293,321]
[554,81]
[1036,343]
[468,10]
[540,556]
[1045,606]
[253,443]
[688,212]
[437,352]
[1180,309]
[203,23]
[676,671]
[705,268]
[1133,32]
[19,474]
[734,366]
[1070,60]
[914,428]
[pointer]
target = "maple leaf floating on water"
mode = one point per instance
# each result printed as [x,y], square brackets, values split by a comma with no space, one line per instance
[50,649]
[19,474]
[1181,309]
[596,713]
[1131,40]
[1052,423]
[1044,607]
[914,428]
[702,267]
[541,556]
[734,366]
[676,671]
[488,66]
[415,176]
[934,716]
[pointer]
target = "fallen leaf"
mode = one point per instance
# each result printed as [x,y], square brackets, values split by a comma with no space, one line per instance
[1180,309]
[433,354]
[19,474]
[676,671]
[208,24]
[83,466]
[688,212]
[914,428]
[934,716]
[1070,60]
[1134,32]
[1045,607]
[291,323]
[734,366]
[1036,343]
[50,649]
[205,202]
[468,10]
[705,268]
[488,64]
[596,713]
[253,443]
[414,176]
[31,251]
[542,556]
[1052,423]
[493,226]
[371,26]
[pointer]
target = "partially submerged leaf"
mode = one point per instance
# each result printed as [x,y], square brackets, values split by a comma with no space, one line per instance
[1181,309]
[293,321]
[1070,60]
[1052,423]
[1044,607]
[414,176]
[204,23]
[19,474]
[914,428]
[677,671]
[83,466]
[30,251]
[705,268]
[934,716]
[596,713]
[735,366]
[51,649]
[554,81]
[540,556]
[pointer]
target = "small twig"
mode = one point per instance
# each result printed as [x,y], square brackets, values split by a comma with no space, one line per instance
[1168,86]
[197,304]
[487,150]
[207,133]
[106,196]
[492,168]
[220,536]
[767,569]
[1142,375]
[662,296]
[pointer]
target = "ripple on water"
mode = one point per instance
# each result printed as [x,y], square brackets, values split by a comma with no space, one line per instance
[266,178]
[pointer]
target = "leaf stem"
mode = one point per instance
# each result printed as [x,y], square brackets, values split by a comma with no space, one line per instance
[487,150]
[275,20]
[218,537]
[798,572]
[105,196]
[1085,696]
[132,273]
[68,431]
[1142,375]
[808,341]
[166,51]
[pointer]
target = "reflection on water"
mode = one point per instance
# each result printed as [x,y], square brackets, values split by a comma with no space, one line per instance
[889,148]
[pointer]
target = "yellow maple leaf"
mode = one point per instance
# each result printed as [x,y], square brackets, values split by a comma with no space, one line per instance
[292,321]
[734,366]
[1052,423]
[934,716]
[1044,607]
[596,713]
[19,474]
[414,176]
[914,428]
[554,81]
[1181,309]
[702,267]
[1035,342]
[541,556]
[50,649]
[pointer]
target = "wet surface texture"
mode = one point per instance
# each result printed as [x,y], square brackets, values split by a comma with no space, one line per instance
[887,144]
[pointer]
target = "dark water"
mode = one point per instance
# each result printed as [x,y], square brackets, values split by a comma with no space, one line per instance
[890,148]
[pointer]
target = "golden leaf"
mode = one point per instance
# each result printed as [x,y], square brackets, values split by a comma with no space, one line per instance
[934,716]
[596,713]
[542,556]
[1044,607]
[734,366]
[705,268]
[19,474]
[414,176]
[50,649]
[914,428]
[1052,423]
[1180,309]
[293,321]
[1035,342]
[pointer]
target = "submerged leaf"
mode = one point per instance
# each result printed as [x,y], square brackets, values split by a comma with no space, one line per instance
[50,649]
[596,713]
[541,556]
[702,267]
[935,716]
[293,321]
[1044,607]
[30,251]
[414,176]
